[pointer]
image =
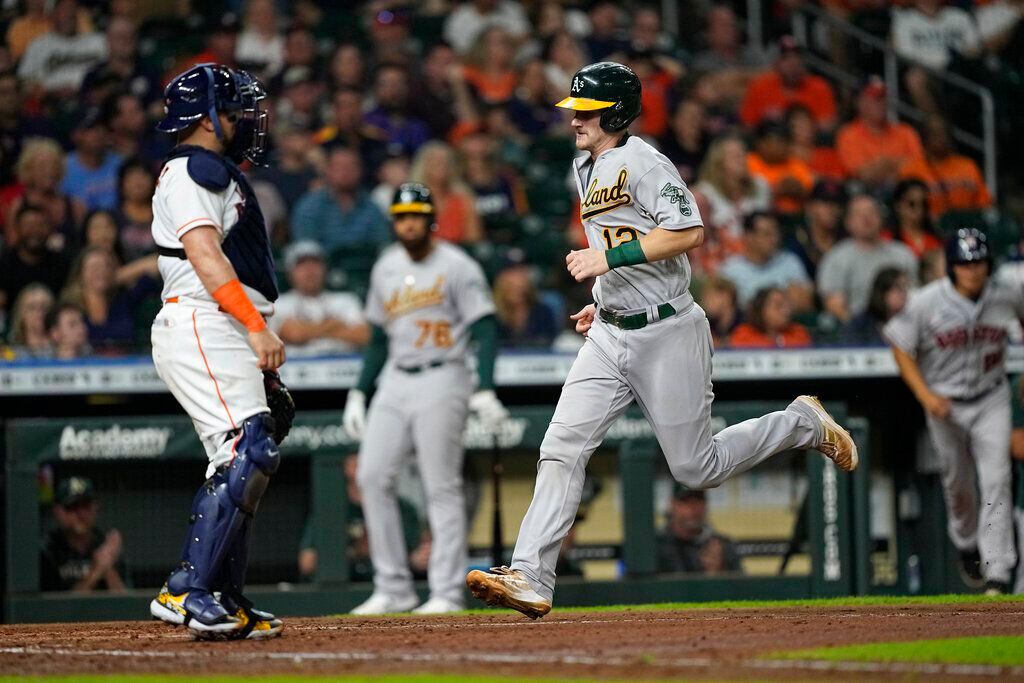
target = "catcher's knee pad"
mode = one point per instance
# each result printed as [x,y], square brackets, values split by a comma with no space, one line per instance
[256,460]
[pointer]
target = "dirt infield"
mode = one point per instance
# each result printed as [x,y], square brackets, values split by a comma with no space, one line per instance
[691,644]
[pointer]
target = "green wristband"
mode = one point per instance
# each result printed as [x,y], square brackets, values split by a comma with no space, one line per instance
[626,254]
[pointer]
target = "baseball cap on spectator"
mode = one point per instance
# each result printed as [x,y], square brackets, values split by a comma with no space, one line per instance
[226,23]
[90,117]
[302,250]
[74,490]
[827,190]
[772,128]
[874,86]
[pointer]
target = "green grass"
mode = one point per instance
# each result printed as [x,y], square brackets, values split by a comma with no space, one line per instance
[412,678]
[995,650]
[861,601]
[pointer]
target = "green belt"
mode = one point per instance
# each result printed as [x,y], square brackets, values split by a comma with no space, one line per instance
[634,321]
[416,369]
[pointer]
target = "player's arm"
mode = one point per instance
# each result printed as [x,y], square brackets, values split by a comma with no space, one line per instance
[484,333]
[202,247]
[911,373]
[374,358]
[657,245]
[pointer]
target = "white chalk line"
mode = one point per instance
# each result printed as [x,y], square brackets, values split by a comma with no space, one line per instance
[979,670]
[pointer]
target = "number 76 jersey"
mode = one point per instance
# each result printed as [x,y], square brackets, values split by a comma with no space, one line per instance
[630,190]
[426,307]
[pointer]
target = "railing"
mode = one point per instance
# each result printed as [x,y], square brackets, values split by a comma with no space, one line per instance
[985,144]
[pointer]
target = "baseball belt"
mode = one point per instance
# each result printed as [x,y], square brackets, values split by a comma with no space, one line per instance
[635,321]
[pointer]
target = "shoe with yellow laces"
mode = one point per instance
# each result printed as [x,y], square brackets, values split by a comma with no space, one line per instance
[239,621]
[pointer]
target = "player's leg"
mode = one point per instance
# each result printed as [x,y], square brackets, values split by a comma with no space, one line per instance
[385,445]
[437,437]
[595,394]
[670,371]
[990,448]
[959,481]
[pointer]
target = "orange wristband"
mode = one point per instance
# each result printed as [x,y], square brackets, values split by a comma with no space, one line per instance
[233,299]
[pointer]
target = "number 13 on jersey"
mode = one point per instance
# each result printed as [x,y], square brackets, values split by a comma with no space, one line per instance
[613,237]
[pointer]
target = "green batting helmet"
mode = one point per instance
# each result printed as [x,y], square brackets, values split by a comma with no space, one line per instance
[412,198]
[607,86]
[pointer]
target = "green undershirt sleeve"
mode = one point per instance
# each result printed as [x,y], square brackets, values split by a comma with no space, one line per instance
[374,357]
[484,332]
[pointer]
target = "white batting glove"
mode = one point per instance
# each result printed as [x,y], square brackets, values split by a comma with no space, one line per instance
[488,409]
[354,417]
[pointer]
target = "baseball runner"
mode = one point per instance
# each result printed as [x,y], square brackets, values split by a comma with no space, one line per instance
[427,301]
[211,344]
[950,346]
[646,341]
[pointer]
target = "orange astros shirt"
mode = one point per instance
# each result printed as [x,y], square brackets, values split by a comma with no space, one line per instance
[955,184]
[768,97]
[857,144]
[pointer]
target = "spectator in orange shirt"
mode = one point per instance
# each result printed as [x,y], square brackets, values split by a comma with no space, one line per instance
[658,74]
[772,93]
[910,221]
[770,324]
[488,67]
[872,148]
[955,182]
[789,178]
[804,143]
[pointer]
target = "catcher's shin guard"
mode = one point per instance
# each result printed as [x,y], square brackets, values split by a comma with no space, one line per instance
[222,510]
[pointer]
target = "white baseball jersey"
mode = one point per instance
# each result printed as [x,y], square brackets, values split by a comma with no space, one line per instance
[180,205]
[959,344]
[426,307]
[343,306]
[627,192]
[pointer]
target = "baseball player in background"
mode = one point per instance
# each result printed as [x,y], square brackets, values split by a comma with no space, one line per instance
[211,344]
[646,341]
[427,301]
[950,347]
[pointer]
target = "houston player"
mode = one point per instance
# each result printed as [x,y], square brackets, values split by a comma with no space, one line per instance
[211,344]
[647,340]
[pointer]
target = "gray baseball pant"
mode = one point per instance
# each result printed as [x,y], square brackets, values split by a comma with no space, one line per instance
[425,413]
[666,368]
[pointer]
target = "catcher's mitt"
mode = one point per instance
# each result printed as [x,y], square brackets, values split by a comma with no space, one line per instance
[282,407]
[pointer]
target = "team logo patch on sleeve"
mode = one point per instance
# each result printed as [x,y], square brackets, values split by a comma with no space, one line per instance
[675,195]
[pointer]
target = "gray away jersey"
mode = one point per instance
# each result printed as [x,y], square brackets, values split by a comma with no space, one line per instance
[627,192]
[959,344]
[426,307]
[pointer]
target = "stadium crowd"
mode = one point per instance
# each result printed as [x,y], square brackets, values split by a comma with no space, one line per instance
[821,212]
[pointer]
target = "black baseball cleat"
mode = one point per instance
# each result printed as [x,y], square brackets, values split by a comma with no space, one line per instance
[970,569]
[994,588]
[199,611]
[256,624]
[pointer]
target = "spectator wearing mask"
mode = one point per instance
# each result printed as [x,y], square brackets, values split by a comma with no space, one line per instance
[872,148]
[788,83]
[847,272]
[68,334]
[78,555]
[311,320]
[911,224]
[457,218]
[763,264]
[820,230]
[720,302]
[92,169]
[28,259]
[789,178]
[392,117]
[689,543]
[55,63]
[686,141]
[731,190]
[523,320]
[770,324]
[473,17]
[340,215]
[28,338]
[40,172]
[954,181]
[888,297]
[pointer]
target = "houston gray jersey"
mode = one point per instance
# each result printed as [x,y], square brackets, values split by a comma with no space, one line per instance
[959,344]
[426,307]
[627,192]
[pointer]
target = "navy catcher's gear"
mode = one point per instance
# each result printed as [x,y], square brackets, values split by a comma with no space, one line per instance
[966,245]
[247,245]
[208,88]
[607,86]
[221,511]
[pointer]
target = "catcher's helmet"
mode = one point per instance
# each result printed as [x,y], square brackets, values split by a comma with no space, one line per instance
[208,88]
[966,245]
[609,86]
[412,198]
